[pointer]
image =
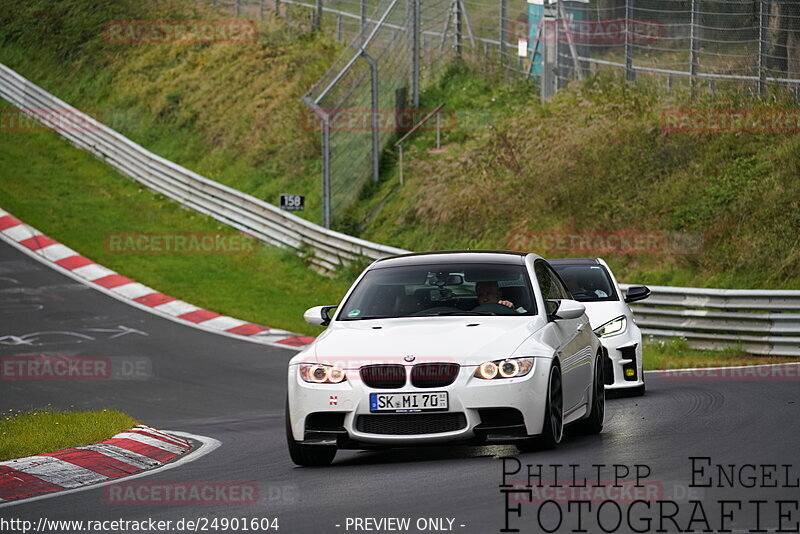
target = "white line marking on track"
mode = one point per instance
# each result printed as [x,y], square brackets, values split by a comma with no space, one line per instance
[718,368]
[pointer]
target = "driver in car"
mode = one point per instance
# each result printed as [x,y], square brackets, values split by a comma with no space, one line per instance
[490,299]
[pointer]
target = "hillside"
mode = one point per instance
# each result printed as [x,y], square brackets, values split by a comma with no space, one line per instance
[722,209]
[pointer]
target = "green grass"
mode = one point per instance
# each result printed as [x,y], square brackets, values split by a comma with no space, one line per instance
[677,354]
[78,200]
[42,431]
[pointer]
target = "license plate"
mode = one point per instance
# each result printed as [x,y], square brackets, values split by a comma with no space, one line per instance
[408,402]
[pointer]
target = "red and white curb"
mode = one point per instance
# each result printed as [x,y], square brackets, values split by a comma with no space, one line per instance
[64,259]
[137,450]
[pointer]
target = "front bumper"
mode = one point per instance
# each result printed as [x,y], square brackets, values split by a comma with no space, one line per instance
[328,414]
[625,353]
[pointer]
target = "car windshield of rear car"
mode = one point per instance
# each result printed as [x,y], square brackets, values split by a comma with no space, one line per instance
[587,283]
[439,290]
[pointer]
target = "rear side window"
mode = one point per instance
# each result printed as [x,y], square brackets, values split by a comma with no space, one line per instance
[588,283]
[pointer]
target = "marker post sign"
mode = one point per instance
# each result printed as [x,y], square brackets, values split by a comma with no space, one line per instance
[293,202]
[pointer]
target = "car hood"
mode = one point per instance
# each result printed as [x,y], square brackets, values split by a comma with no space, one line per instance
[599,313]
[468,340]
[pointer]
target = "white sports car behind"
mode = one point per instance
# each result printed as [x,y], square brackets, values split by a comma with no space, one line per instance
[592,283]
[453,347]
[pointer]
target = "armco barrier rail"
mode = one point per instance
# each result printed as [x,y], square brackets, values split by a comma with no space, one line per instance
[327,249]
[763,322]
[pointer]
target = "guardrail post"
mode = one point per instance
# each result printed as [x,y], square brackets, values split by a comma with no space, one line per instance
[415,52]
[278,7]
[763,24]
[339,29]
[238,7]
[693,49]
[629,74]
[261,9]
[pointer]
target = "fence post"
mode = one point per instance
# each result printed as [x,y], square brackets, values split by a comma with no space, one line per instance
[317,22]
[261,9]
[339,29]
[373,68]
[415,53]
[503,16]
[278,8]
[629,75]
[459,20]
[363,20]
[763,24]
[693,50]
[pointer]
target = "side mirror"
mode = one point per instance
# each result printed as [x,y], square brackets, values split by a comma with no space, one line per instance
[319,315]
[636,293]
[566,309]
[455,280]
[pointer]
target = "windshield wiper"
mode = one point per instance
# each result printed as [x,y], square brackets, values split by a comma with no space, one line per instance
[368,317]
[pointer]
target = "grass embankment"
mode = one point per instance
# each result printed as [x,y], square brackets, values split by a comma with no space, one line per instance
[78,200]
[42,431]
[677,354]
[596,159]
[229,111]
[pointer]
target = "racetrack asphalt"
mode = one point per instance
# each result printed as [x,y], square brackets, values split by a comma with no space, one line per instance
[234,391]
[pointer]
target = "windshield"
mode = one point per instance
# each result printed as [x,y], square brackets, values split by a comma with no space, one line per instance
[587,283]
[439,290]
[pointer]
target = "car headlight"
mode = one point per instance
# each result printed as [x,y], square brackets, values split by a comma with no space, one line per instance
[613,327]
[508,368]
[317,373]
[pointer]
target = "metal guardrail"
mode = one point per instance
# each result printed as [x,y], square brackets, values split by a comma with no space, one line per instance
[327,250]
[765,322]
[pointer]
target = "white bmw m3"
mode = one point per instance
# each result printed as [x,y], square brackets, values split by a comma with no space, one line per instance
[451,347]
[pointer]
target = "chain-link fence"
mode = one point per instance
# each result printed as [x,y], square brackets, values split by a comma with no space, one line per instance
[371,93]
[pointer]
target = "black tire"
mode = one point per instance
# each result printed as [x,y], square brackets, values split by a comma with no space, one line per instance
[553,429]
[307,455]
[594,423]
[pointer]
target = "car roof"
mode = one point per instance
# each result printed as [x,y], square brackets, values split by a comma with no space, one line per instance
[574,261]
[454,256]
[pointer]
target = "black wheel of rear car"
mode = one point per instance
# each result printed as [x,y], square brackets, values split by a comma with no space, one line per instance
[553,428]
[594,423]
[307,455]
